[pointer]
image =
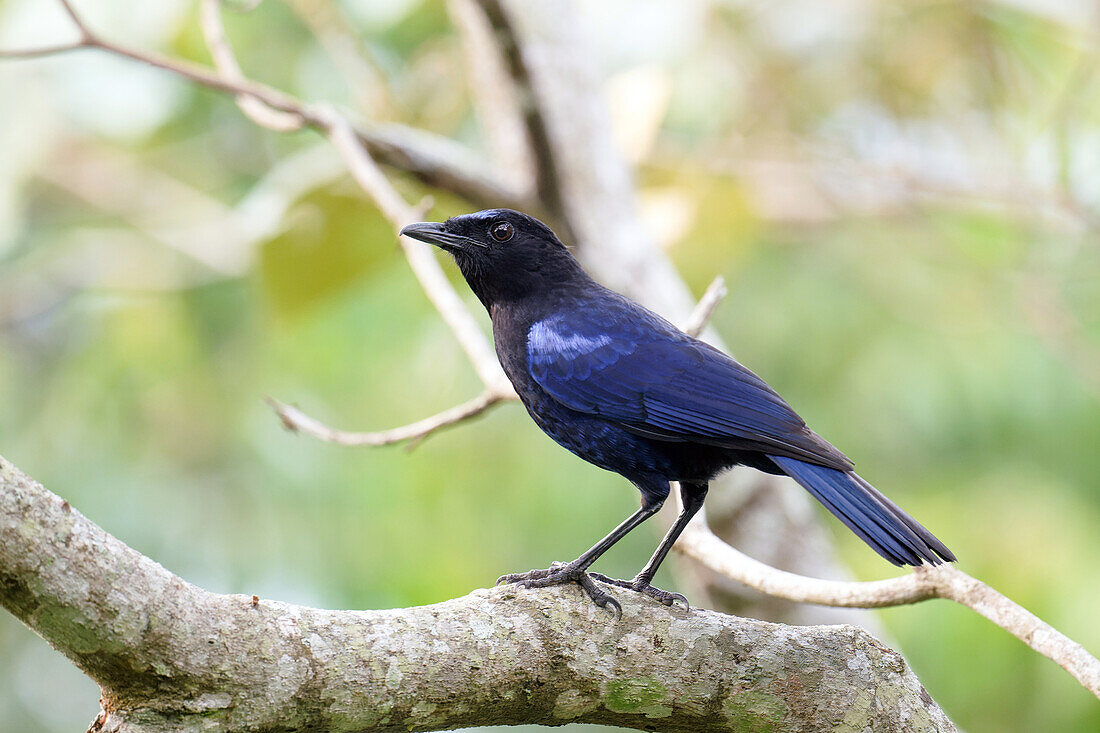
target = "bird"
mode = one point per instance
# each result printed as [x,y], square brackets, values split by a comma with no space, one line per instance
[629,392]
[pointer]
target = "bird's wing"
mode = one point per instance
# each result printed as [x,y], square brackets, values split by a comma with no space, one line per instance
[636,369]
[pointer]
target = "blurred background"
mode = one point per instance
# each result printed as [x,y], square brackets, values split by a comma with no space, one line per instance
[903,198]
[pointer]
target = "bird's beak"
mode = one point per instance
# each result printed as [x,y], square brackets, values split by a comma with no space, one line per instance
[434,233]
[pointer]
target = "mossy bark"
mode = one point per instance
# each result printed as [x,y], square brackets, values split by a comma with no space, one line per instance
[171,656]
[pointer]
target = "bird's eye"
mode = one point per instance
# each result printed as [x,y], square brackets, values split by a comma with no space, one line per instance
[502,231]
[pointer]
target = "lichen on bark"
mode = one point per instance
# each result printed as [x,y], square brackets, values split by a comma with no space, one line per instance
[171,656]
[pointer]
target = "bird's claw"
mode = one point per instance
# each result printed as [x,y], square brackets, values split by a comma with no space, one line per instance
[560,573]
[599,596]
[555,567]
[668,598]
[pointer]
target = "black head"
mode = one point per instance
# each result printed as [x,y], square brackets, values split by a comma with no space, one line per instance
[503,254]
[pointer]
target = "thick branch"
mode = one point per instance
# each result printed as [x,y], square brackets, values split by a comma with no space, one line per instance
[549,186]
[169,655]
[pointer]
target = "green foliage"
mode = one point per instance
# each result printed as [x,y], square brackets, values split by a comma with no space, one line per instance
[322,249]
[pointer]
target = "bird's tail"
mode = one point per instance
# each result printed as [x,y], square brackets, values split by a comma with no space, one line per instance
[875,519]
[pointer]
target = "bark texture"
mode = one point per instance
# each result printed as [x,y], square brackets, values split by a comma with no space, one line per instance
[171,656]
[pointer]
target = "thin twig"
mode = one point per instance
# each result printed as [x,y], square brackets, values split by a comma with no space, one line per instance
[704,309]
[494,95]
[297,421]
[32,53]
[437,161]
[352,146]
[424,264]
[926,582]
[222,52]
[71,12]
[365,82]
[439,290]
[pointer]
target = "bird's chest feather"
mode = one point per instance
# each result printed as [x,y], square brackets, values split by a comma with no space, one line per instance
[510,336]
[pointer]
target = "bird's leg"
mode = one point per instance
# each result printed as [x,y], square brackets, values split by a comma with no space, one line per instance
[692,495]
[575,571]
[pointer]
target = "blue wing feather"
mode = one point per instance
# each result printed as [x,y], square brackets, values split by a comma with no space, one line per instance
[630,366]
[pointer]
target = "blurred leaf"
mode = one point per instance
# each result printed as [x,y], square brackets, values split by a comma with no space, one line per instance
[333,237]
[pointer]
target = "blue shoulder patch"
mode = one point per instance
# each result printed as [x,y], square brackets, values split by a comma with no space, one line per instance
[631,367]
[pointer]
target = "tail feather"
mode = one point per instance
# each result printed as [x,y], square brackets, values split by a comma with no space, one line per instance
[863,509]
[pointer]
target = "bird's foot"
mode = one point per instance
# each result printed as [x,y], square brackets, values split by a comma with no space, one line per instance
[666,597]
[560,573]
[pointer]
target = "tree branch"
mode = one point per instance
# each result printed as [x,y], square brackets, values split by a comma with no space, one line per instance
[169,655]
[549,186]
[495,96]
[704,309]
[424,264]
[436,161]
[222,53]
[329,24]
[296,420]
[273,109]
[926,582]
[33,53]
[348,142]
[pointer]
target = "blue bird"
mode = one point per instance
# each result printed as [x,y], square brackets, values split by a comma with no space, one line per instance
[626,390]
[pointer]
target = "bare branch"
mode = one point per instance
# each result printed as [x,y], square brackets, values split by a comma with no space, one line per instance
[328,23]
[437,161]
[353,146]
[31,53]
[71,12]
[704,309]
[348,143]
[171,656]
[222,53]
[944,581]
[296,420]
[439,290]
[549,188]
[424,264]
[442,163]
[495,96]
